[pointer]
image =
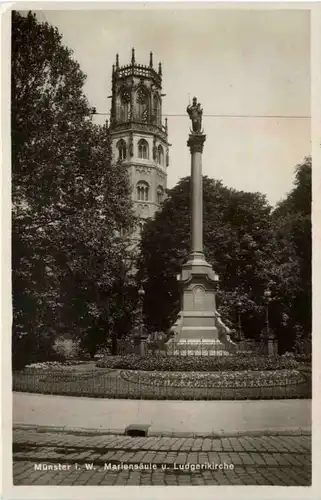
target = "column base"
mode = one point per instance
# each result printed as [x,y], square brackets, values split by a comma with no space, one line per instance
[198,329]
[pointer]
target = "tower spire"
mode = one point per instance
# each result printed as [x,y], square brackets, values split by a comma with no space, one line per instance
[137,130]
[160,69]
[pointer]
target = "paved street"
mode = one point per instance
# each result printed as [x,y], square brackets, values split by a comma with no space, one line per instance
[48,458]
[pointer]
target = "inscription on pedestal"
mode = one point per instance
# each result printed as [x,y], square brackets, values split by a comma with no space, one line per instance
[198,297]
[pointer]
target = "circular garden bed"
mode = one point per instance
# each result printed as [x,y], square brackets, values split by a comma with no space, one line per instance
[171,377]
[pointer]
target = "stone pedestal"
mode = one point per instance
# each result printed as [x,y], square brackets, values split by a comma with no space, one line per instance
[196,328]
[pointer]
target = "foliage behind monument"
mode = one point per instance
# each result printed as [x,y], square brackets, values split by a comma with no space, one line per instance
[248,247]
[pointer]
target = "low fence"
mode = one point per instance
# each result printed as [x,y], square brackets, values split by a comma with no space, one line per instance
[200,348]
[128,384]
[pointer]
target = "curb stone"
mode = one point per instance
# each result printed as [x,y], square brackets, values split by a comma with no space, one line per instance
[294,431]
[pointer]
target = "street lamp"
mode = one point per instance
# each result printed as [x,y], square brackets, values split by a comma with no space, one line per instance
[268,336]
[267,298]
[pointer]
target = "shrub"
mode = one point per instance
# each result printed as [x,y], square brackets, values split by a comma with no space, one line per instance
[126,345]
[163,362]
[288,355]
[157,341]
[303,348]
[109,362]
[304,357]
[66,349]
[31,348]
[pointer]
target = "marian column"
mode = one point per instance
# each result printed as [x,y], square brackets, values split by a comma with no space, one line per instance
[198,327]
[196,142]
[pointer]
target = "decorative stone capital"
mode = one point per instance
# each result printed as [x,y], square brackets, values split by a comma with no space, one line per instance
[196,143]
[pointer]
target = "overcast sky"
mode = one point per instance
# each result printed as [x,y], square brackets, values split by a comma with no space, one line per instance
[236,62]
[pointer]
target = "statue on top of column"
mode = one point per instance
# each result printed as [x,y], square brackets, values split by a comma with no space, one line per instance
[195,113]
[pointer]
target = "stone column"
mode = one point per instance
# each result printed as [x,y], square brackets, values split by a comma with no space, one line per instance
[195,143]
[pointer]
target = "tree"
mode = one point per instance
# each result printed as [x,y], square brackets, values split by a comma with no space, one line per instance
[240,242]
[292,219]
[68,200]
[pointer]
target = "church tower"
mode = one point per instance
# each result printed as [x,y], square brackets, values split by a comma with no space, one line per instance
[139,138]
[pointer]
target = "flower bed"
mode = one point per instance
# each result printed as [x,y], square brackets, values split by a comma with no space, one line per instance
[168,363]
[65,369]
[234,379]
[57,365]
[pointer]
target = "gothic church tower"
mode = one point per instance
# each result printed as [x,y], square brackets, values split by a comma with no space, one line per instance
[139,138]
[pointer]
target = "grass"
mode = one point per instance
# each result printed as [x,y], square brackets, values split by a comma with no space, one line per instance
[106,383]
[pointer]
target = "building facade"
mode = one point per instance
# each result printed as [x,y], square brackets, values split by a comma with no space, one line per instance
[139,137]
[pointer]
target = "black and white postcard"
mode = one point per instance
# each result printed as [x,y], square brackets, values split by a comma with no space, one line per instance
[157,248]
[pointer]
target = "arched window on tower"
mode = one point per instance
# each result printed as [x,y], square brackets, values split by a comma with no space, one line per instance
[122,149]
[142,108]
[160,155]
[156,110]
[142,191]
[160,195]
[143,149]
[123,106]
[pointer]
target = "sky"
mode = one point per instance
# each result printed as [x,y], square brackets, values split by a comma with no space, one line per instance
[246,63]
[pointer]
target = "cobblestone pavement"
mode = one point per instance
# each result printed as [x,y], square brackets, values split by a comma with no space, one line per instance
[47,458]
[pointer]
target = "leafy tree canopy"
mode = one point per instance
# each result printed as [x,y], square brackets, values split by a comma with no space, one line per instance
[292,221]
[68,199]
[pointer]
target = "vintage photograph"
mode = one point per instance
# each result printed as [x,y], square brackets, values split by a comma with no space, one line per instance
[161,246]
